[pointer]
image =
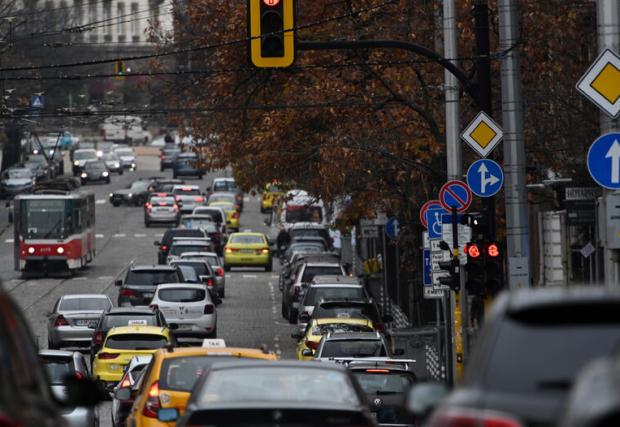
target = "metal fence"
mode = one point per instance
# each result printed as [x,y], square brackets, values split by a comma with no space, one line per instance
[424,345]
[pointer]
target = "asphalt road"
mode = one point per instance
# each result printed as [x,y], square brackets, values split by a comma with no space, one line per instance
[248,317]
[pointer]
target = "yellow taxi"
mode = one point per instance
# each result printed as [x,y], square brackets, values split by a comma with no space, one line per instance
[271,194]
[232,215]
[169,381]
[247,250]
[123,343]
[309,340]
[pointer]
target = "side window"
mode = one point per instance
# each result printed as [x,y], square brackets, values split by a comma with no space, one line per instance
[82,366]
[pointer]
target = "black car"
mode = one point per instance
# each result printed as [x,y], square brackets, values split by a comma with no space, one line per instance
[140,282]
[14,181]
[532,346]
[136,194]
[187,164]
[167,158]
[386,386]
[169,235]
[123,316]
[95,171]
[164,185]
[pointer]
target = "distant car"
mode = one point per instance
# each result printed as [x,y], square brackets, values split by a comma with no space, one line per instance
[161,208]
[182,245]
[39,171]
[224,197]
[190,197]
[80,157]
[131,381]
[271,193]
[352,344]
[127,156]
[210,227]
[309,230]
[232,214]
[124,316]
[217,213]
[168,237]
[73,319]
[167,158]
[247,250]
[228,185]
[135,194]
[202,269]
[165,185]
[95,171]
[140,281]
[250,393]
[113,162]
[51,164]
[14,181]
[528,353]
[351,309]
[187,164]
[60,365]
[216,265]
[190,307]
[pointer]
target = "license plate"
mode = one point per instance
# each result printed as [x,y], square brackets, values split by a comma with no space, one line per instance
[86,322]
[246,251]
[148,295]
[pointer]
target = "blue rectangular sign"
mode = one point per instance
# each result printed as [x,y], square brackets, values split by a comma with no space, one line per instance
[428,280]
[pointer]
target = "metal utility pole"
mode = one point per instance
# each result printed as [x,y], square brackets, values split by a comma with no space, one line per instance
[517,227]
[608,30]
[454,148]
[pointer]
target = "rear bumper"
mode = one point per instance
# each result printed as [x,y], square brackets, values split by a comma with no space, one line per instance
[246,259]
[162,218]
[80,417]
[194,328]
[72,334]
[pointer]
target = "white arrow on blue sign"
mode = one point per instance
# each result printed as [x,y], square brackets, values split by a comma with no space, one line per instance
[392,228]
[485,177]
[433,217]
[604,161]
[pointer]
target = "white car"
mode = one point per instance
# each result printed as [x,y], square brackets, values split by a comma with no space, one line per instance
[188,306]
[127,156]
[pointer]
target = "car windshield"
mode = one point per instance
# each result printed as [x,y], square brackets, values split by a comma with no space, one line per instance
[181,373]
[139,185]
[84,155]
[135,342]
[315,294]
[86,304]
[384,382]
[163,201]
[186,191]
[299,233]
[57,369]
[247,239]
[225,186]
[353,348]
[310,272]
[94,167]
[200,268]
[278,385]
[219,197]
[46,219]
[522,347]
[340,327]
[202,224]
[295,213]
[124,152]
[179,249]
[181,295]
[19,173]
[114,320]
[215,213]
[151,278]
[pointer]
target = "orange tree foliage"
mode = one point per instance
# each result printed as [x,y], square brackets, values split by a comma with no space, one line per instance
[369,124]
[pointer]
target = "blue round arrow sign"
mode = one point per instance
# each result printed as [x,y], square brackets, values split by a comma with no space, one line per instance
[604,160]
[485,178]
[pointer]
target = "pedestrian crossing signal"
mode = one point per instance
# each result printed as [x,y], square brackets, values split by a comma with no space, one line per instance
[119,70]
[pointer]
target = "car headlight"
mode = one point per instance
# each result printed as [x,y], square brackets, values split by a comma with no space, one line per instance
[133,165]
[76,163]
[60,250]
[130,195]
[111,194]
[35,151]
[30,250]
[105,173]
[84,175]
[116,165]
[99,153]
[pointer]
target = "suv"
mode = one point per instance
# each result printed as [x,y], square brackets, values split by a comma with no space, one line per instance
[297,258]
[302,276]
[186,164]
[140,282]
[352,345]
[299,230]
[227,185]
[184,244]
[80,157]
[533,344]
[189,196]
[161,207]
[168,237]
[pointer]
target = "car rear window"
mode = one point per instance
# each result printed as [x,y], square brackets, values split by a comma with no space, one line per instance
[186,232]
[181,295]
[225,186]
[524,344]
[179,249]
[112,321]
[296,213]
[310,272]
[164,201]
[367,311]
[247,240]
[181,373]
[377,382]
[87,304]
[323,329]
[354,348]
[203,224]
[200,268]
[315,294]
[57,369]
[136,342]
[151,278]
[187,191]
[215,213]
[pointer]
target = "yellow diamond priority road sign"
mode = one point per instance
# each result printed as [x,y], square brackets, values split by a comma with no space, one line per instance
[482,134]
[601,83]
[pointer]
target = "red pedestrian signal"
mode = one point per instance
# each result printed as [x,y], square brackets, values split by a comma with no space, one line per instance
[493,250]
[473,250]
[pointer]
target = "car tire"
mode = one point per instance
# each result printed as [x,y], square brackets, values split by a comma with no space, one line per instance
[108,180]
[120,172]
[140,201]
[269,267]
[116,204]
[226,267]
[147,224]
[222,293]
[283,309]
[292,316]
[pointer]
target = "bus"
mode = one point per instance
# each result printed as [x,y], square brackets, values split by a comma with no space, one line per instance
[54,231]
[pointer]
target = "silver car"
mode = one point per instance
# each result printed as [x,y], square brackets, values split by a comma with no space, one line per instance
[190,196]
[131,377]
[74,318]
[216,265]
[180,245]
[161,209]
[190,307]
[128,158]
[60,365]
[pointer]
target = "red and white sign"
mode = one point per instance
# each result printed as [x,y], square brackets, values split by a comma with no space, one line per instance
[431,204]
[455,194]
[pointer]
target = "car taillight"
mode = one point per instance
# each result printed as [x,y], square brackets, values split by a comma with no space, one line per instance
[164,248]
[107,356]
[219,272]
[230,250]
[265,251]
[61,321]
[209,282]
[79,375]
[98,338]
[312,345]
[152,402]
[471,418]
[209,309]
[199,199]
[127,293]
[235,215]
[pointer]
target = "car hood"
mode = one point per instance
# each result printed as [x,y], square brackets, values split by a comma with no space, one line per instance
[124,191]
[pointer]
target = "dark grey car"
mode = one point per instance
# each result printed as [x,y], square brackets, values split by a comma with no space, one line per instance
[15,181]
[140,282]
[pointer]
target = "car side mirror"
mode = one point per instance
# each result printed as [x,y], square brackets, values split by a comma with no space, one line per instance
[399,351]
[156,243]
[296,335]
[118,283]
[123,394]
[83,392]
[307,352]
[167,415]
[424,398]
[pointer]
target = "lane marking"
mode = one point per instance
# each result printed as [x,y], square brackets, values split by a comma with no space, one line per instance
[106,277]
[82,279]
[9,241]
[159,234]
[99,202]
[139,235]
[247,230]
[117,235]
[249,276]
[99,236]
[275,277]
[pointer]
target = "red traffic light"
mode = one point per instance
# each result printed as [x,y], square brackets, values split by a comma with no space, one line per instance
[271,2]
[493,250]
[473,250]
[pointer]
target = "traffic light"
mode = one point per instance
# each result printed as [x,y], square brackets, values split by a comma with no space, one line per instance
[453,279]
[270,28]
[494,270]
[475,268]
[119,70]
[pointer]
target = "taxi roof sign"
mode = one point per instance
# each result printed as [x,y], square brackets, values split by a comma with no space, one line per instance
[214,343]
[482,134]
[601,83]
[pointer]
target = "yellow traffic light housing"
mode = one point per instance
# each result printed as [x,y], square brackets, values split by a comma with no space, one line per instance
[271,26]
[119,70]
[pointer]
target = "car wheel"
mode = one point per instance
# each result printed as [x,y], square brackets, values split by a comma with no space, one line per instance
[108,180]
[269,267]
[292,316]
[116,204]
[222,293]
[284,311]
[148,224]
[120,172]
[226,267]
[140,201]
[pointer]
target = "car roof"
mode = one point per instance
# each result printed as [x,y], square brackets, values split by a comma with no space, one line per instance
[180,285]
[81,296]
[130,310]
[333,279]
[224,179]
[188,261]
[347,320]
[198,254]
[279,364]
[185,186]
[362,365]
[247,233]
[56,353]
[353,336]
[192,242]
[158,267]
[307,225]
[322,264]
[251,353]
[138,329]
[524,299]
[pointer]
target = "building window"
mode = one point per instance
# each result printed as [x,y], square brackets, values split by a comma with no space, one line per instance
[134,19]
[107,16]
[92,12]
[79,12]
[122,19]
